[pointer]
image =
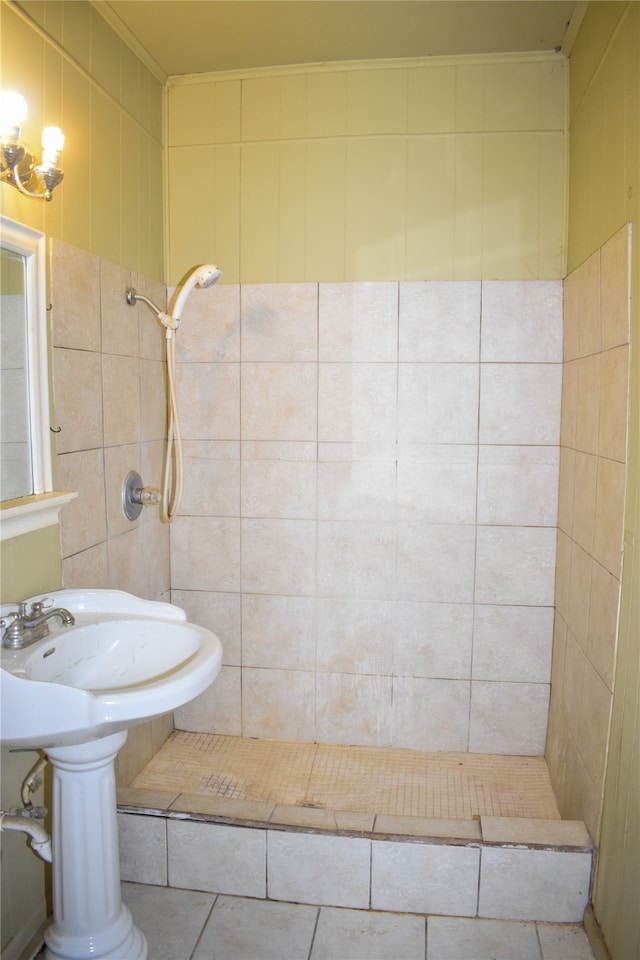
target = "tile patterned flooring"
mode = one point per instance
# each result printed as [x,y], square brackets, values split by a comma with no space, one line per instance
[377,780]
[191,925]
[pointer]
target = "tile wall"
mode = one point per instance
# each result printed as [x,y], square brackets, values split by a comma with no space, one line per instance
[369,518]
[110,409]
[590,525]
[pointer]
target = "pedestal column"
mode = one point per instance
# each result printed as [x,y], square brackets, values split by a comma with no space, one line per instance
[90,921]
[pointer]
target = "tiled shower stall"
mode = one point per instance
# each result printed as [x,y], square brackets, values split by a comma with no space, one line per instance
[370,509]
[370,513]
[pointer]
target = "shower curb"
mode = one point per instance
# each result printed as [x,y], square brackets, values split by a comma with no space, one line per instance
[491,867]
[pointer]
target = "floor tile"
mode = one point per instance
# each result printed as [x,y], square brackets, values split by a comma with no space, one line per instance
[564,941]
[170,919]
[243,929]
[366,935]
[456,938]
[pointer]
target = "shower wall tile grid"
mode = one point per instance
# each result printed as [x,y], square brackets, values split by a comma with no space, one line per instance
[370,509]
[109,402]
[593,456]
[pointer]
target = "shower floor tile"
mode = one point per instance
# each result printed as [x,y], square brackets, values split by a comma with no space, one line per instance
[376,780]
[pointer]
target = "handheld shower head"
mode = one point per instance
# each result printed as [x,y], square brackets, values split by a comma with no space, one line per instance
[202,276]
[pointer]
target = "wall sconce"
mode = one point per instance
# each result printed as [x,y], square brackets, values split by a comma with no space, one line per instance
[18,167]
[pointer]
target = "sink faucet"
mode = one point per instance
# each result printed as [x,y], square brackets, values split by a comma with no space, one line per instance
[29,627]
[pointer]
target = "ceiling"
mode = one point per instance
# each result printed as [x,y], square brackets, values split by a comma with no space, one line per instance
[202,36]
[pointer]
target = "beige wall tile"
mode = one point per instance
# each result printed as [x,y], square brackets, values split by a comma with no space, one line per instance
[607,545]
[508,718]
[515,565]
[75,296]
[593,728]
[358,490]
[438,492]
[437,403]
[279,321]
[433,640]
[317,869]
[357,402]
[153,402]
[579,590]
[208,397]
[588,403]
[353,708]
[355,636]
[278,704]
[77,377]
[603,618]
[222,859]
[435,562]
[518,485]
[430,714]
[512,885]
[88,568]
[84,522]
[421,878]
[211,478]
[279,557]
[121,399]
[219,708]
[522,321]
[439,321]
[614,394]
[512,643]
[205,553]
[218,612]
[358,322]
[584,499]
[143,848]
[291,412]
[120,334]
[278,488]
[278,632]
[127,562]
[520,403]
[353,559]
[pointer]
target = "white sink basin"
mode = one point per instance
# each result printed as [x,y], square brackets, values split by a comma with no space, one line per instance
[123,661]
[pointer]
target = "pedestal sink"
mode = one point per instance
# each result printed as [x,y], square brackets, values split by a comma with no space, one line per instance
[75,694]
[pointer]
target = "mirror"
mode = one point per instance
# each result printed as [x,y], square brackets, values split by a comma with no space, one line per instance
[25,458]
[27,500]
[16,476]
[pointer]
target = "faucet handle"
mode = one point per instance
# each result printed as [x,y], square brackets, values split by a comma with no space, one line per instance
[12,613]
[39,605]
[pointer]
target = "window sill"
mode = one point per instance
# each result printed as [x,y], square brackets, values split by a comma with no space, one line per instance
[31,513]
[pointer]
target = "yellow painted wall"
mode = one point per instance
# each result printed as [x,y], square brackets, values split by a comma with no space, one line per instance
[447,168]
[76,73]
[604,194]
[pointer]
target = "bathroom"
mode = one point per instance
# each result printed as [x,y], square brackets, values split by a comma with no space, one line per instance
[494,219]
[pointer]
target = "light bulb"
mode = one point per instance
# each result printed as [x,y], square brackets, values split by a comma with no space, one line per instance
[13,110]
[52,144]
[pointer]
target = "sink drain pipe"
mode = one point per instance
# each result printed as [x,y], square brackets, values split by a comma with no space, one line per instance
[40,839]
[27,820]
